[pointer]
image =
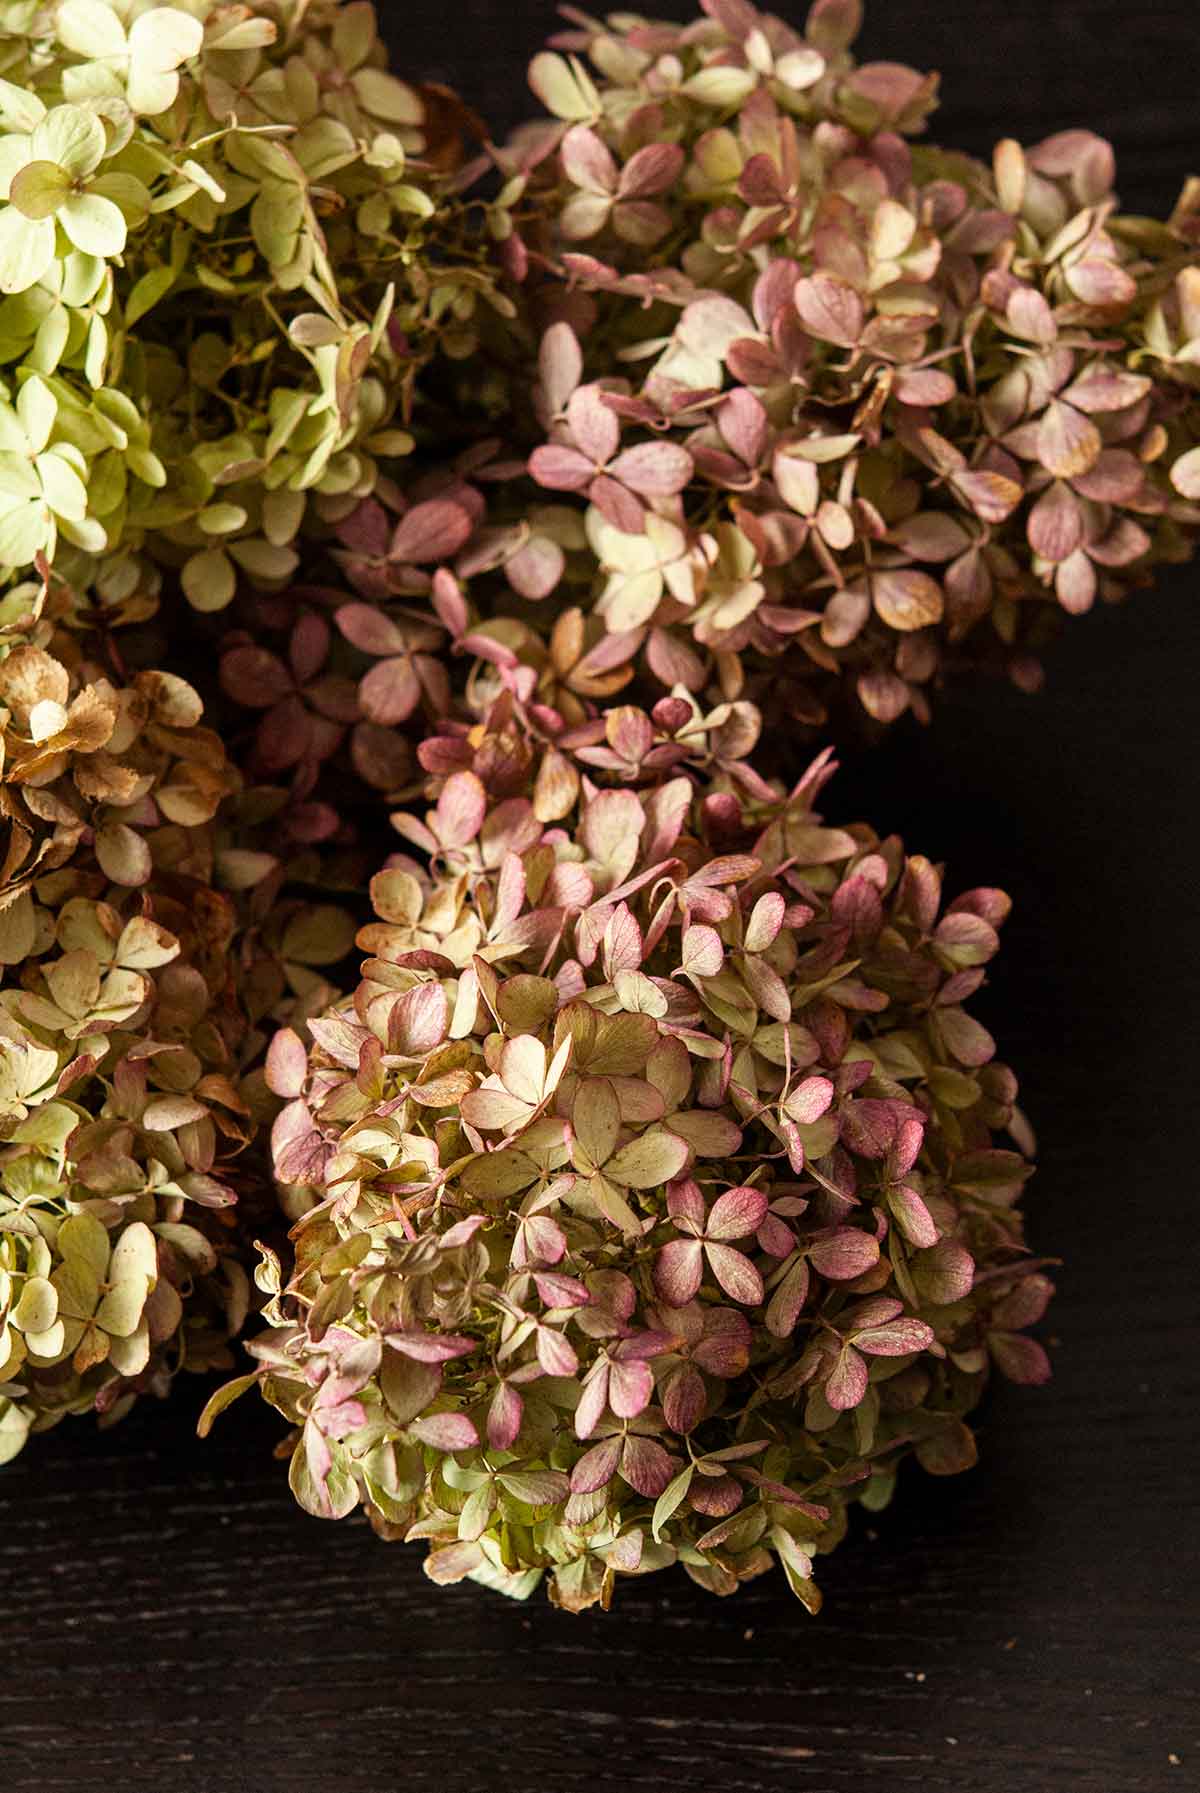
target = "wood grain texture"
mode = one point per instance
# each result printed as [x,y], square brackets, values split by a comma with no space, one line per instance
[173,1623]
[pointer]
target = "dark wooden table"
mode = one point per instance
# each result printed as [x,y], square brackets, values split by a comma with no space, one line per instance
[173,1622]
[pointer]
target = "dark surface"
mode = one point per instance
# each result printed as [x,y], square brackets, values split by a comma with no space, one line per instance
[173,1621]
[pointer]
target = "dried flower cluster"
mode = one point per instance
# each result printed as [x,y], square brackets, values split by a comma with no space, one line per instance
[187,384]
[653,1193]
[650,1205]
[230,242]
[839,405]
[119,1043]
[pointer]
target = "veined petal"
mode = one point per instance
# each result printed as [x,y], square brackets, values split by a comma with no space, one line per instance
[24,531]
[26,250]
[64,491]
[15,153]
[72,138]
[37,411]
[94,224]
[91,28]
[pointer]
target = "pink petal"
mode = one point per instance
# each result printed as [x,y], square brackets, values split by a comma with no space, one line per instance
[556,1290]
[735,1273]
[592,1401]
[737,1213]
[461,809]
[830,309]
[1103,388]
[848,1382]
[1097,281]
[559,468]
[656,469]
[742,421]
[651,170]
[1117,477]
[390,692]
[431,1347]
[587,162]
[287,1063]
[431,531]
[685,1205]
[445,1431]
[991,496]
[895,1339]
[366,627]
[536,568]
[596,1468]
[684,1399]
[913,1217]
[923,386]
[765,921]
[678,1270]
[255,678]
[555,1354]
[725,1348]
[419,1020]
[1019,1358]
[646,1466]
[560,365]
[1068,442]
[630,1388]
[844,1254]
[616,502]
[504,1417]
[809,1100]
[593,425]
[1055,526]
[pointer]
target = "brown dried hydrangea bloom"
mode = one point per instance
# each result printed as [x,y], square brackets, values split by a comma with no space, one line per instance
[839,404]
[121,1045]
[649,1202]
[146,951]
[89,761]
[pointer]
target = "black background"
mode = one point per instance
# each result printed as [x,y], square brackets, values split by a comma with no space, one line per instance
[171,1620]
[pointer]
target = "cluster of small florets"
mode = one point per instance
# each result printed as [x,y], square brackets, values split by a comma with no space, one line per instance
[119,1051]
[230,243]
[147,946]
[653,1194]
[649,1202]
[231,246]
[835,404]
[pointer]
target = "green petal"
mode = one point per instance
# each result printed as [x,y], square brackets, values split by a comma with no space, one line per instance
[24,531]
[37,410]
[82,276]
[83,1238]
[15,152]
[78,1289]
[129,1356]
[161,39]
[37,1310]
[121,1309]
[18,481]
[65,492]
[91,28]
[94,224]
[209,580]
[20,110]
[72,137]
[134,1255]
[39,189]
[26,250]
